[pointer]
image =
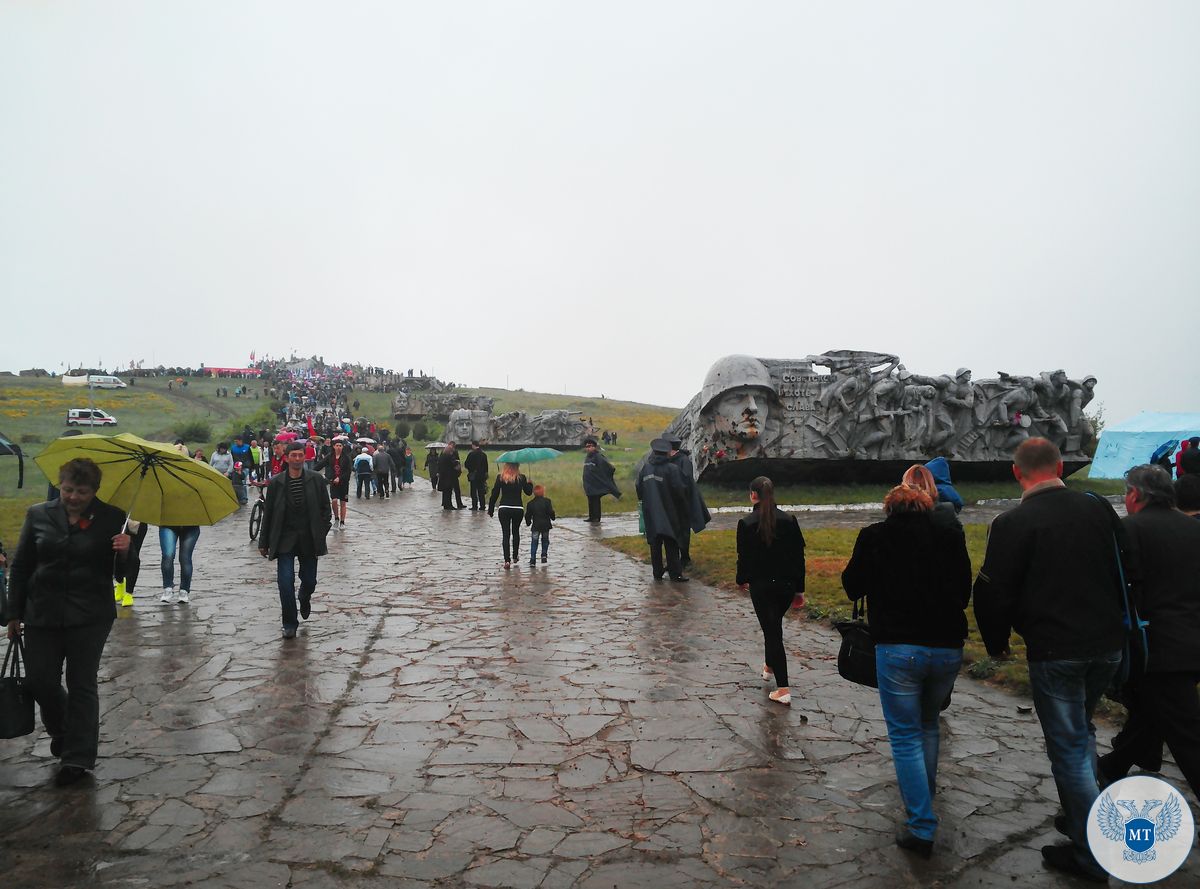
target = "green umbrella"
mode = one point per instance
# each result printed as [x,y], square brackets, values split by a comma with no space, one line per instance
[528,455]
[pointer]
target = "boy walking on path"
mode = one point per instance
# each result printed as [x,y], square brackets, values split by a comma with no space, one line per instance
[539,518]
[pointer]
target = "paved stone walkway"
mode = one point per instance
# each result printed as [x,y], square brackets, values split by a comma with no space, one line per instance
[443,722]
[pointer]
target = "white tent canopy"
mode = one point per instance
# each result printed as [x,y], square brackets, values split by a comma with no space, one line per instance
[1133,441]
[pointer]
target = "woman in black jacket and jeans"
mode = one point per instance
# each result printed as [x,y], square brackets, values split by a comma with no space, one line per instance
[916,577]
[770,561]
[510,485]
[62,592]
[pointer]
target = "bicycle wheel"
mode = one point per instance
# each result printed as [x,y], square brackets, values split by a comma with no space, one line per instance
[256,516]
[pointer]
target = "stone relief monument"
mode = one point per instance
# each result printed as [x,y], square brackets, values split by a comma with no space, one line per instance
[855,415]
[552,428]
[408,405]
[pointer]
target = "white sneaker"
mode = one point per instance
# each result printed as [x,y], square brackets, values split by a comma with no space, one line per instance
[168,596]
[183,598]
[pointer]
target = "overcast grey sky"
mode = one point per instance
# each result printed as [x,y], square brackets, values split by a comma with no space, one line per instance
[606,197]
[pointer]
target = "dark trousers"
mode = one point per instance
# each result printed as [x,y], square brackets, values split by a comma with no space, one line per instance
[457,495]
[381,482]
[510,531]
[73,713]
[397,478]
[593,508]
[479,492]
[771,600]
[660,543]
[363,480]
[447,499]
[1163,707]
[685,547]
[285,573]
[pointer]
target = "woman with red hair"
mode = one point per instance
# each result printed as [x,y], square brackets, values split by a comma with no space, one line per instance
[916,577]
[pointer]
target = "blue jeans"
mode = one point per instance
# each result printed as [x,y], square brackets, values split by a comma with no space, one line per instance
[184,538]
[1064,694]
[285,573]
[544,537]
[914,681]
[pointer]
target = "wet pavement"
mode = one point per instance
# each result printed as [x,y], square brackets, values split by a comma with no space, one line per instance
[442,722]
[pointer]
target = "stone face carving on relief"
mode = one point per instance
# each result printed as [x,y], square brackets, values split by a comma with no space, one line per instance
[550,428]
[853,406]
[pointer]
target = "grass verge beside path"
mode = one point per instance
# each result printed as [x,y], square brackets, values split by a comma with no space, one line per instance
[714,561]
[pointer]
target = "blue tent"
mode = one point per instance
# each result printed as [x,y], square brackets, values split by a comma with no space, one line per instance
[1135,440]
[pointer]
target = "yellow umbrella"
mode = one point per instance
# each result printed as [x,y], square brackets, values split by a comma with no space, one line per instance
[151,481]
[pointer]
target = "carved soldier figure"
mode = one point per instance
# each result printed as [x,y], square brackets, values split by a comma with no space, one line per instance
[876,430]
[1055,397]
[1082,431]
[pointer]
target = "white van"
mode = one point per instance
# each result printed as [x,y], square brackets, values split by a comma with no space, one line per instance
[82,416]
[96,381]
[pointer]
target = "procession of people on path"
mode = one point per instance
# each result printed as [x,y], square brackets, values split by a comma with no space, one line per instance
[1054,571]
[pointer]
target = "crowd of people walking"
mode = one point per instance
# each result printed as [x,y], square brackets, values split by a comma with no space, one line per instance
[1057,570]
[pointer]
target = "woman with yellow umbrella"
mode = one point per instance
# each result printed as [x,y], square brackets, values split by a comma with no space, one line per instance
[61,591]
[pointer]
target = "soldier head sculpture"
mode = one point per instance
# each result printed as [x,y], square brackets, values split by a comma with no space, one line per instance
[736,397]
[466,425]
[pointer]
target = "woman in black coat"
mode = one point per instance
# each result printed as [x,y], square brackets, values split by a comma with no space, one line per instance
[770,562]
[916,577]
[62,591]
[448,470]
[510,487]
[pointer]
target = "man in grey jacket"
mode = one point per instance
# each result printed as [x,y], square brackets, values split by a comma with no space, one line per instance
[296,521]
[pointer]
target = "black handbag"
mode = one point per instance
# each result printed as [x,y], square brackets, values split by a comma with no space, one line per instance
[16,697]
[856,658]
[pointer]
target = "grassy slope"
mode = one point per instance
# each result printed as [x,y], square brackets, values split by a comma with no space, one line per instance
[33,413]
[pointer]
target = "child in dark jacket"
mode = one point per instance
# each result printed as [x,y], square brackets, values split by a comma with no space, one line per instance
[539,517]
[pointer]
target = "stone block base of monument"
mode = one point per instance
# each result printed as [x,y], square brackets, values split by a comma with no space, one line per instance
[791,471]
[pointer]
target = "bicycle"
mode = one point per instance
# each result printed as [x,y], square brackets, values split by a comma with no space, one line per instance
[257,510]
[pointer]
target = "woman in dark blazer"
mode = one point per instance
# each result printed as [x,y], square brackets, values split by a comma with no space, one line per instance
[916,577]
[448,470]
[62,591]
[770,563]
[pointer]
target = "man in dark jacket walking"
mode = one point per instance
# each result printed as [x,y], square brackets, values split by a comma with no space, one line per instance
[381,461]
[296,522]
[598,478]
[698,514]
[476,465]
[1163,704]
[1050,573]
[664,509]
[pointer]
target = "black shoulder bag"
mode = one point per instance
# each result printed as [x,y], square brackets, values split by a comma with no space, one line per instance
[1136,653]
[16,698]
[856,658]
